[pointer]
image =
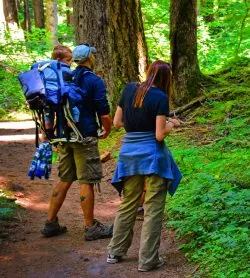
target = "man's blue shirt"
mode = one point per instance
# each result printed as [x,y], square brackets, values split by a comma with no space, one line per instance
[94,103]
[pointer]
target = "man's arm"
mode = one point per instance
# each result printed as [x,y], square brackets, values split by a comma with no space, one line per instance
[102,106]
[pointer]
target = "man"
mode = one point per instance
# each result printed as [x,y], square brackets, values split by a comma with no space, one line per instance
[81,161]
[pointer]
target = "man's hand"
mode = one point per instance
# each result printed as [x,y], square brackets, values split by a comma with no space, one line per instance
[106,123]
[103,134]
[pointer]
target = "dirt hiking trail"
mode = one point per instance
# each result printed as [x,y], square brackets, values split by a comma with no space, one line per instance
[25,253]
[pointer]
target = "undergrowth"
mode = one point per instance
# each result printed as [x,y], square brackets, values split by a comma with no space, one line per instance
[7,206]
[210,211]
[10,97]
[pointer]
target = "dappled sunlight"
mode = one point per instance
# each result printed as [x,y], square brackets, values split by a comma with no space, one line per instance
[6,258]
[3,180]
[33,202]
[142,58]
[17,131]
[17,125]
[14,138]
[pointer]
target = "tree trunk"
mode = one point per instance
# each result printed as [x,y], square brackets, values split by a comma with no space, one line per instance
[69,15]
[10,12]
[38,9]
[183,43]
[51,22]
[115,28]
[2,21]
[26,23]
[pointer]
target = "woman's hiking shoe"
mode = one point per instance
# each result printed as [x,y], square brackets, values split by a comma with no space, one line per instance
[140,213]
[98,230]
[52,228]
[159,264]
[113,259]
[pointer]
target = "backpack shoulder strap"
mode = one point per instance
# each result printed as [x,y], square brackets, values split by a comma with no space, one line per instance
[79,78]
[43,67]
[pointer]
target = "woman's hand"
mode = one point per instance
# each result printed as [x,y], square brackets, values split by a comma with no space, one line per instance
[175,122]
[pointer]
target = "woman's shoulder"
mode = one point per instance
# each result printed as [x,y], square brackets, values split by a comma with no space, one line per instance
[132,85]
[156,92]
[130,88]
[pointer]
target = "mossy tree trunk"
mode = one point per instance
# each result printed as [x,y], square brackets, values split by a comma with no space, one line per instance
[69,15]
[51,21]
[38,8]
[115,28]
[183,41]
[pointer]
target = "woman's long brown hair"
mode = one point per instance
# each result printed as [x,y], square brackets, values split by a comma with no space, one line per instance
[158,75]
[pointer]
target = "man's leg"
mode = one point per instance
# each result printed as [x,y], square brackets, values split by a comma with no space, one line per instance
[52,227]
[93,228]
[87,198]
[58,196]
[89,172]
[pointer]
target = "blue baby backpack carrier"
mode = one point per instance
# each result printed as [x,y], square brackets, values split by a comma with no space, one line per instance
[51,93]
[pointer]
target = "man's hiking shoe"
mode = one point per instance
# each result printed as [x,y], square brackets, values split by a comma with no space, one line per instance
[52,228]
[98,230]
[112,259]
[159,264]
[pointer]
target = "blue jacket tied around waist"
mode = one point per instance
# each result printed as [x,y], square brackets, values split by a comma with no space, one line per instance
[142,154]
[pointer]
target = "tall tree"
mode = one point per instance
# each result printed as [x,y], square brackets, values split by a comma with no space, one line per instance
[183,42]
[115,28]
[10,12]
[69,15]
[38,8]
[27,22]
[51,21]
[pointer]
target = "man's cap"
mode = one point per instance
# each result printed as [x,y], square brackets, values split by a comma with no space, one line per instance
[82,52]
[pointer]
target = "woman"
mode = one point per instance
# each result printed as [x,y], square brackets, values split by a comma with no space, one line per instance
[144,159]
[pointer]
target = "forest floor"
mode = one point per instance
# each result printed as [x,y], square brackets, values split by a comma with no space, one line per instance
[25,253]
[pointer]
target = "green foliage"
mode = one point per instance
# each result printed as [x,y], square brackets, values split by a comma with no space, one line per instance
[156,28]
[16,55]
[25,47]
[223,31]
[111,143]
[7,206]
[210,211]
[66,34]
[225,36]
[11,97]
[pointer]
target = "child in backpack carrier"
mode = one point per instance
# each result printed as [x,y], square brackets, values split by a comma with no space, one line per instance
[62,54]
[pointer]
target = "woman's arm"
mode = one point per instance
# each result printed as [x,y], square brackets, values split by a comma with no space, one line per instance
[118,119]
[164,127]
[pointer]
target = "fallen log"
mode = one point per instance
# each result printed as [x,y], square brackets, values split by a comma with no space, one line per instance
[194,103]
